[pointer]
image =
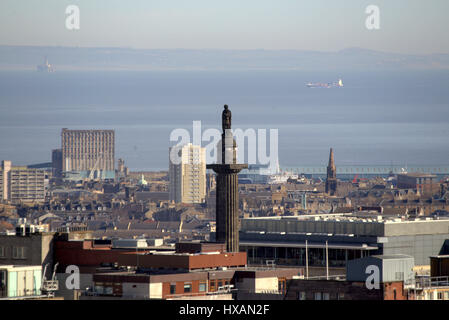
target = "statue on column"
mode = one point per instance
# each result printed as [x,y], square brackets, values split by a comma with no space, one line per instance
[226,118]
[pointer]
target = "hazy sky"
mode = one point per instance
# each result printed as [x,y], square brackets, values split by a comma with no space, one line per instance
[406,26]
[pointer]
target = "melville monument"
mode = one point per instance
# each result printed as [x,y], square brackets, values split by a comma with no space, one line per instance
[227,203]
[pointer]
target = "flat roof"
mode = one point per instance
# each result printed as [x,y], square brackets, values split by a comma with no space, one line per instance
[392,256]
[354,246]
[363,216]
[417,175]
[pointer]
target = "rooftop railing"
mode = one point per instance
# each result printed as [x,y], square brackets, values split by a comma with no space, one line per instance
[427,282]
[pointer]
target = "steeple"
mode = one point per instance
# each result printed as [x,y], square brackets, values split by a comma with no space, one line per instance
[331,159]
[331,179]
[331,169]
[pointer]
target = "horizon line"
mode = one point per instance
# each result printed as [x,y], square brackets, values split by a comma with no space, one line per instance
[224,49]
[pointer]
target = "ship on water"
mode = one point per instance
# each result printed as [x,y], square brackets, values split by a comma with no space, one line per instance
[336,84]
[46,67]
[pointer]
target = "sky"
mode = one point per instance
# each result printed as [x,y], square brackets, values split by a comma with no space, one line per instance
[406,26]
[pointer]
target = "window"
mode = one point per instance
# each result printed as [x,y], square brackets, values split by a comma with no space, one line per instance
[172,288]
[202,286]
[317,295]
[220,284]
[2,252]
[18,253]
[212,285]
[108,290]
[187,287]
[301,295]
[2,281]
[99,289]
[325,296]
[340,296]
[281,285]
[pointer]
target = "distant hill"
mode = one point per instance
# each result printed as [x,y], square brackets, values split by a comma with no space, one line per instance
[77,58]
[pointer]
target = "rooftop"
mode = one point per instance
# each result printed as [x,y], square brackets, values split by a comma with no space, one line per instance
[417,175]
[362,216]
[392,257]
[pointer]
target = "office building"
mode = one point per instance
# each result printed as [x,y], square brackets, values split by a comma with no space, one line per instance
[188,177]
[88,154]
[288,240]
[27,247]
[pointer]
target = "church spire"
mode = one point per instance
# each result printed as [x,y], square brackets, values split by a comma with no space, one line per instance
[331,159]
[331,179]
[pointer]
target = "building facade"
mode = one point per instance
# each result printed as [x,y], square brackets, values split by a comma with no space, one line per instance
[20,281]
[288,240]
[56,161]
[21,184]
[424,184]
[188,175]
[31,249]
[301,289]
[88,153]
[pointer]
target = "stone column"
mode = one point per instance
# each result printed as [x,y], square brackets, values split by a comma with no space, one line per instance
[227,204]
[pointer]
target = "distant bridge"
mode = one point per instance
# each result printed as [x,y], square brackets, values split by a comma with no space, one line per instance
[370,170]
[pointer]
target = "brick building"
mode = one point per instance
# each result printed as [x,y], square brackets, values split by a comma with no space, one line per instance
[300,289]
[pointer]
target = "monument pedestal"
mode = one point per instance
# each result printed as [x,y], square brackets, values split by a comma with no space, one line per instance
[227,204]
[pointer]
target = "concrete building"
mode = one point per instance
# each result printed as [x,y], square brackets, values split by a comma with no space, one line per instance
[346,237]
[397,267]
[21,184]
[188,175]
[88,153]
[56,161]
[20,281]
[27,249]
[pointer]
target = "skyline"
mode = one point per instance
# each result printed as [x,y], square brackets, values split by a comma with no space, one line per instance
[234,151]
[410,26]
